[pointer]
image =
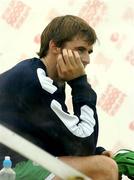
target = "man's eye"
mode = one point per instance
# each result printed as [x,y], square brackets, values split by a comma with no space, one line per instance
[89,52]
[81,50]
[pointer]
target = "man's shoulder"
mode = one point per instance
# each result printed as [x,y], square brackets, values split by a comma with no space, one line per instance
[25,71]
[26,66]
[28,62]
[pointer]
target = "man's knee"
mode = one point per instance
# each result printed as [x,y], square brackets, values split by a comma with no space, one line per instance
[110,169]
[97,167]
[102,168]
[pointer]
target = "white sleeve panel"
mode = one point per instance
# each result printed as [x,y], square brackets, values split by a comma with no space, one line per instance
[46,82]
[83,129]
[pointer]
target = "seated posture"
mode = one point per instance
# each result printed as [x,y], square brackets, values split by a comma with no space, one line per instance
[32,99]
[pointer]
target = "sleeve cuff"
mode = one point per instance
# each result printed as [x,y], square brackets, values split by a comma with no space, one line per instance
[99,150]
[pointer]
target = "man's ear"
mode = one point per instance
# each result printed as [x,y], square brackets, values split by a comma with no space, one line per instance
[53,47]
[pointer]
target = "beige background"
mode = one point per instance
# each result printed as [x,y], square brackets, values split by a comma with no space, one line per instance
[111,71]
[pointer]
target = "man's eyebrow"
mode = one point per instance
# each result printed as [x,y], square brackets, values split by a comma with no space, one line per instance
[80,47]
[83,48]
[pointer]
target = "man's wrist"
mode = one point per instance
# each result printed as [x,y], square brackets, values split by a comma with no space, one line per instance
[79,80]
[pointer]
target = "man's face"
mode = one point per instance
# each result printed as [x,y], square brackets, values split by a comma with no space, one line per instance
[82,47]
[78,45]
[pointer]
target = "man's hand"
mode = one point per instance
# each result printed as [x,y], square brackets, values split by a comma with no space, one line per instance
[69,65]
[107,153]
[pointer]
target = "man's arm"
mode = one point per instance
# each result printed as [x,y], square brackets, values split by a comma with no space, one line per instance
[71,69]
[97,167]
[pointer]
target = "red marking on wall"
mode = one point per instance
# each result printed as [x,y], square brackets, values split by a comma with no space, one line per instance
[130,57]
[128,15]
[16,13]
[111,100]
[37,39]
[114,37]
[101,59]
[131,126]
[93,12]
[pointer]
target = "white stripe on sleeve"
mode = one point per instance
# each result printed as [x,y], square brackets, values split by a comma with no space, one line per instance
[46,82]
[83,129]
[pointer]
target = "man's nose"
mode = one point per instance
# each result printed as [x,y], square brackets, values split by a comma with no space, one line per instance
[86,60]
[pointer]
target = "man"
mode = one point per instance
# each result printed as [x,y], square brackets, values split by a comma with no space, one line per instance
[32,99]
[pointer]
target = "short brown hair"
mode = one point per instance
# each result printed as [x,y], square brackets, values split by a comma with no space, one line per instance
[62,29]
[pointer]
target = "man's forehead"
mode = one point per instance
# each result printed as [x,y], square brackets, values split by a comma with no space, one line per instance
[82,42]
[82,39]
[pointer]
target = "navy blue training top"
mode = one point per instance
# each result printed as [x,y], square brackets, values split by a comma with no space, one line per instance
[33,105]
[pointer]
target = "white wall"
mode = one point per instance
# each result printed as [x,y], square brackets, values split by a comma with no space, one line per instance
[111,71]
